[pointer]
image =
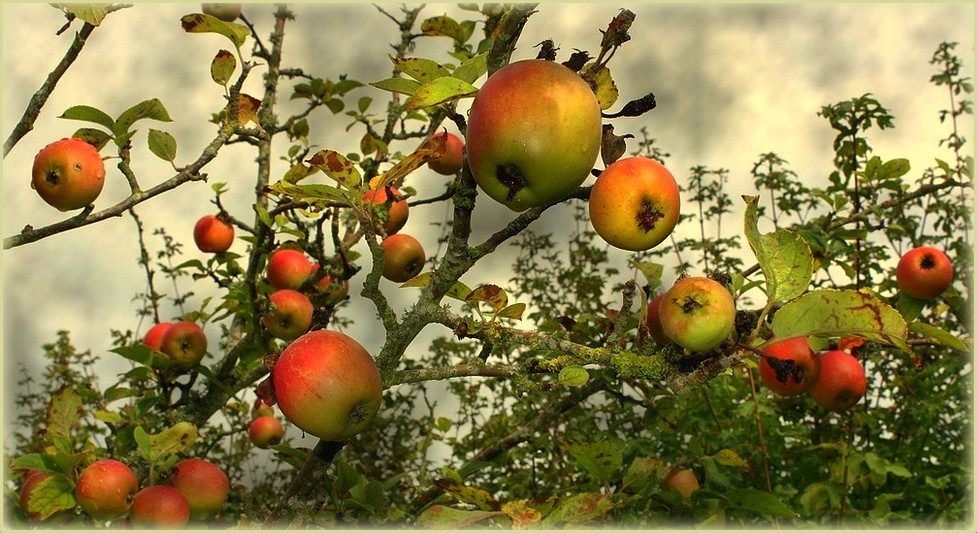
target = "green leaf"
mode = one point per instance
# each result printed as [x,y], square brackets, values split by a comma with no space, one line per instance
[784,256]
[444,517]
[93,14]
[63,413]
[337,167]
[36,461]
[143,443]
[52,495]
[203,23]
[578,509]
[151,109]
[92,136]
[727,457]
[894,168]
[514,311]
[89,114]
[471,70]
[444,26]
[397,85]
[840,313]
[471,495]
[419,68]
[573,376]
[314,193]
[175,439]
[600,459]
[438,92]
[642,473]
[162,144]
[759,501]
[651,271]
[109,417]
[935,333]
[364,103]
[222,67]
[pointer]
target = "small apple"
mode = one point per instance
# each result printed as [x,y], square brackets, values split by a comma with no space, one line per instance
[213,235]
[841,383]
[634,205]
[327,384]
[68,174]
[452,160]
[160,506]
[288,268]
[225,12]
[534,132]
[265,431]
[154,337]
[260,408]
[924,273]
[290,314]
[403,257]
[105,488]
[394,212]
[789,367]
[684,481]
[185,343]
[334,291]
[698,313]
[33,478]
[653,320]
[204,485]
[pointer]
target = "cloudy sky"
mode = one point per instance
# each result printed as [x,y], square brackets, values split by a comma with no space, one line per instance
[731,81]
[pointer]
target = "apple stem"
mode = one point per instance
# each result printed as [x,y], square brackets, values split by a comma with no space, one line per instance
[323,454]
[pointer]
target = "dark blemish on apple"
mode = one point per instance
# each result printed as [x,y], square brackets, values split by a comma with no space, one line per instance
[357,414]
[927,262]
[648,216]
[52,177]
[785,369]
[512,178]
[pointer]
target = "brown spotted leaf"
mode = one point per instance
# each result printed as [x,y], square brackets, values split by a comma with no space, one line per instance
[63,413]
[444,517]
[431,148]
[203,23]
[578,509]
[173,440]
[521,513]
[604,87]
[222,67]
[247,109]
[445,26]
[490,294]
[52,495]
[601,459]
[475,496]
[421,69]
[337,167]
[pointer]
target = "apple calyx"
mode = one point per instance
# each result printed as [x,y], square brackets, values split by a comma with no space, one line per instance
[512,178]
[648,216]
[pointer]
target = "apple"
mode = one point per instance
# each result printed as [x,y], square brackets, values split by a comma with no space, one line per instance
[185,343]
[68,174]
[653,320]
[334,292]
[396,210]
[327,384]
[154,337]
[841,383]
[204,485]
[225,12]
[265,431]
[789,367]
[684,481]
[452,160]
[213,235]
[288,268]
[697,313]
[160,506]
[260,408]
[105,488]
[534,132]
[924,273]
[290,314]
[33,478]
[403,257]
[634,204]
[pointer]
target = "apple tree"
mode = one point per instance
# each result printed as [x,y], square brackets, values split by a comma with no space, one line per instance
[680,355]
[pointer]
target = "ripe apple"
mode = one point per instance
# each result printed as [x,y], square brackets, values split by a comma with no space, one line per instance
[841,383]
[265,431]
[213,235]
[697,313]
[452,160]
[327,385]
[160,506]
[204,485]
[33,478]
[789,367]
[288,268]
[684,481]
[653,320]
[924,272]
[634,205]
[184,342]
[290,314]
[403,257]
[104,489]
[225,12]
[534,132]
[397,210]
[334,292]
[154,337]
[68,174]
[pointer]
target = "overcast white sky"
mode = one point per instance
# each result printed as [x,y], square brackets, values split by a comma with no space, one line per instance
[731,81]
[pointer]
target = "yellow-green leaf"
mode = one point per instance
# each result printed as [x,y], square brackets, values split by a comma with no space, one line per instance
[439,91]
[52,495]
[419,68]
[397,85]
[203,23]
[784,256]
[222,67]
[444,26]
[474,496]
[431,148]
[63,413]
[573,376]
[513,311]
[605,88]
[444,517]
[728,457]
[490,294]
[939,335]
[174,439]
[521,513]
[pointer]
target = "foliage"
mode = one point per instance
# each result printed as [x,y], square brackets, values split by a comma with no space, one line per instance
[541,401]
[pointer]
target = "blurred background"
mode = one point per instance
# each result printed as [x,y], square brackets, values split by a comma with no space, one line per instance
[731,81]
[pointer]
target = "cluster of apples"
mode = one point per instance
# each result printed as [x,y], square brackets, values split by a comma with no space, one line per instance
[265,430]
[108,490]
[183,342]
[289,271]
